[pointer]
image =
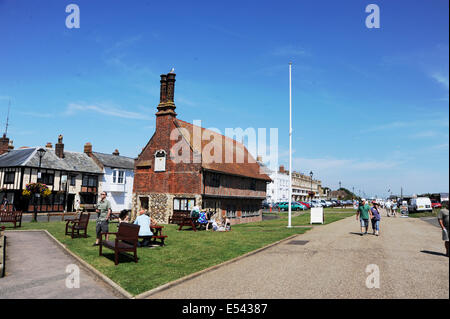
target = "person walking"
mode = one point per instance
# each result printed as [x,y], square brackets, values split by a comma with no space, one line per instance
[388,207]
[363,214]
[394,209]
[443,221]
[103,213]
[376,217]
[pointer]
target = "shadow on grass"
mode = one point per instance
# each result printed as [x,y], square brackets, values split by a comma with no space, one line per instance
[433,253]
[123,257]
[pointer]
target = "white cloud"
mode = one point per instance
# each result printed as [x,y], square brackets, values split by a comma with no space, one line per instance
[441,79]
[74,108]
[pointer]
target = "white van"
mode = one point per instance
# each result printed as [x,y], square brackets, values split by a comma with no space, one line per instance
[420,204]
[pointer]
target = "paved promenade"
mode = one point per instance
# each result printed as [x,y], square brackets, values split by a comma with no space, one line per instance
[408,253]
[36,268]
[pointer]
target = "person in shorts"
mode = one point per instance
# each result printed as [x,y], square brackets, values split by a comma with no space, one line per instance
[103,212]
[364,214]
[443,221]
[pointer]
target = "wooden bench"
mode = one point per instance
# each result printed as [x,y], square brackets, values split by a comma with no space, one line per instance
[11,217]
[157,238]
[76,225]
[126,241]
[184,220]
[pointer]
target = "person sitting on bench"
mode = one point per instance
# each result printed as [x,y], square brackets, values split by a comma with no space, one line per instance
[144,221]
[124,217]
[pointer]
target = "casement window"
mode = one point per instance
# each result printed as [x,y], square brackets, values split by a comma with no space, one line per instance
[215,180]
[73,180]
[184,204]
[231,212]
[9,177]
[118,176]
[47,178]
[90,181]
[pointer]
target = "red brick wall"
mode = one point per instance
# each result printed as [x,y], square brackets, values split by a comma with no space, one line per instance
[178,178]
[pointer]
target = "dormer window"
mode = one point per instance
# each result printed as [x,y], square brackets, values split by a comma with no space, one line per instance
[118,176]
[160,161]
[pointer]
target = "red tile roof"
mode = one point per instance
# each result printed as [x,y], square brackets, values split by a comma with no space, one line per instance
[246,166]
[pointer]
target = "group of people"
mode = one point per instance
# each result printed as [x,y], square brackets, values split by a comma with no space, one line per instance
[364,213]
[208,219]
[145,221]
[103,210]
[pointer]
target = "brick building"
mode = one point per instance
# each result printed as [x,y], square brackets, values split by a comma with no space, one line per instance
[185,165]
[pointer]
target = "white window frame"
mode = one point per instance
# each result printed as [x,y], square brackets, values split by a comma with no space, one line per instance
[116,174]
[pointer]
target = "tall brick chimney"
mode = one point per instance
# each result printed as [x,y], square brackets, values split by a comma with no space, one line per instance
[116,152]
[88,149]
[166,96]
[59,147]
[281,170]
[4,144]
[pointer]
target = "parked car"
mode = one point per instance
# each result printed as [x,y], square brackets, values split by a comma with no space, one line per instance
[294,206]
[435,204]
[420,204]
[308,206]
[302,206]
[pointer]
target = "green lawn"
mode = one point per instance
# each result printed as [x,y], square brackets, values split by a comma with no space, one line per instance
[433,213]
[185,252]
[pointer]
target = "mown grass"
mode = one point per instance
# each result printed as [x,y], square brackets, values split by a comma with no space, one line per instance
[185,252]
[433,213]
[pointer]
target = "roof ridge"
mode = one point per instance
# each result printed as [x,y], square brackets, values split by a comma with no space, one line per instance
[113,155]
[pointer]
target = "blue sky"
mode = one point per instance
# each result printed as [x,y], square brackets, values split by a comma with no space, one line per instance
[370,106]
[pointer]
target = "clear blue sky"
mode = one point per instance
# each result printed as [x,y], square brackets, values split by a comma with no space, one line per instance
[370,105]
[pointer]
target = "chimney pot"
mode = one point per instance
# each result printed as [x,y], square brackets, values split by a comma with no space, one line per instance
[49,145]
[88,148]
[4,144]
[59,147]
[116,152]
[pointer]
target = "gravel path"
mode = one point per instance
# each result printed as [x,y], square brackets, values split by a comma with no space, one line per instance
[36,268]
[408,253]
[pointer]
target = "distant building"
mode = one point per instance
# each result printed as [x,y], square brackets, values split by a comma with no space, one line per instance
[71,176]
[303,184]
[168,187]
[117,178]
[278,189]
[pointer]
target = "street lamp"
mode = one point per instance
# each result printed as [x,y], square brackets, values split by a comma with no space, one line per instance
[311,175]
[41,153]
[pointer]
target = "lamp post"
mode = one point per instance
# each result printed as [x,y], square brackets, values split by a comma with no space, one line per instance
[41,153]
[311,175]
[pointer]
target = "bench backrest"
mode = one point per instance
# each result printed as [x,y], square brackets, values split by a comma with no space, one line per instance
[10,214]
[84,219]
[128,231]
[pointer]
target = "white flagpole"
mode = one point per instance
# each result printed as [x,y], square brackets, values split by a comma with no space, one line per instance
[290,144]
